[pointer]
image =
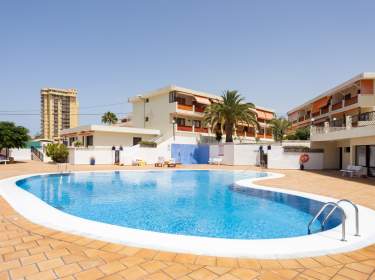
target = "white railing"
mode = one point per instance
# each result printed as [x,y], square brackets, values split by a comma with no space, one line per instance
[314,130]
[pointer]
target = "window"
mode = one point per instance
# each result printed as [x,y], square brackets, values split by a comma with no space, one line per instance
[360,155]
[136,140]
[347,96]
[146,119]
[197,123]
[89,140]
[347,149]
[180,121]
[372,156]
[181,100]
[172,97]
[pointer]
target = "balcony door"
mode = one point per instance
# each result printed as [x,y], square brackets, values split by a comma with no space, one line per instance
[372,160]
[365,156]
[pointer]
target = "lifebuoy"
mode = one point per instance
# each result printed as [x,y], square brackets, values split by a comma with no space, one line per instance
[304,158]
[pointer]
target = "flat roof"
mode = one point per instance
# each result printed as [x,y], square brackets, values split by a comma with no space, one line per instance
[110,128]
[362,76]
[170,88]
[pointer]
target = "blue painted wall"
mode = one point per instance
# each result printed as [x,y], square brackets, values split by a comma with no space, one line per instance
[190,154]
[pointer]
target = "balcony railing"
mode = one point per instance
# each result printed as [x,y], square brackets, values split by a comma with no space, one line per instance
[201,129]
[351,101]
[199,109]
[184,128]
[337,106]
[360,120]
[324,110]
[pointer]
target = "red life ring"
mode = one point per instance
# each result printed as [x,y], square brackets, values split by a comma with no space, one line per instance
[304,158]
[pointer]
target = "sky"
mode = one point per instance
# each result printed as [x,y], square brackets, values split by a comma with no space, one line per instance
[277,54]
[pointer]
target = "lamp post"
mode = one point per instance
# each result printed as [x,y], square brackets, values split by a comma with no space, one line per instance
[174,129]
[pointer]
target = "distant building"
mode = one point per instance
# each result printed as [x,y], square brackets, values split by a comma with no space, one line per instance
[59,110]
[168,113]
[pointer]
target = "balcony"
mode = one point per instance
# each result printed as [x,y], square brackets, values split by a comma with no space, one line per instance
[184,128]
[324,110]
[185,107]
[362,125]
[336,106]
[199,108]
[201,129]
[351,101]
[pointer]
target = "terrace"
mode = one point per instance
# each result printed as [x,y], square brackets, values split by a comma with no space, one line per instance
[360,125]
[37,252]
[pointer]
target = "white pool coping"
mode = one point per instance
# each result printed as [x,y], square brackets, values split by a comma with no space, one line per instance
[327,242]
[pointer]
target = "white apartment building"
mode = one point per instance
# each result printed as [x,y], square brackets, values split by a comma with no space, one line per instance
[342,122]
[171,113]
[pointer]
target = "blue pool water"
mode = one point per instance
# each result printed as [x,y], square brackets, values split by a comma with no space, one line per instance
[199,203]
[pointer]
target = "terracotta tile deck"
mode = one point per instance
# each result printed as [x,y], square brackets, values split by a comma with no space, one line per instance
[29,251]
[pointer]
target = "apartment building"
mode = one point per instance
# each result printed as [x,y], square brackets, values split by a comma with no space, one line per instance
[59,110]
[342,122]
[168,113]
[180,111]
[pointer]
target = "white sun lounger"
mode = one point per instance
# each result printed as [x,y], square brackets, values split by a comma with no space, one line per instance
[352,170]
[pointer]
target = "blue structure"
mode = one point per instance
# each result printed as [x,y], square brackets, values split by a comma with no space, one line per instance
[190,154]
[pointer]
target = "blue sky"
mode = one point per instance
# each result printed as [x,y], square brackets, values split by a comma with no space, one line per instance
[276,53]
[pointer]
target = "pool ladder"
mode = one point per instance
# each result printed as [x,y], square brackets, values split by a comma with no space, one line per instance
[336,206]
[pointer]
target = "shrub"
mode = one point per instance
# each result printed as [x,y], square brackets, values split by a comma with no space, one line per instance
[291,137]
[303,133]
[58,152]
[77,144]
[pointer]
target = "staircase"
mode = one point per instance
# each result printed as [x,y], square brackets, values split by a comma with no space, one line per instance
[36,154]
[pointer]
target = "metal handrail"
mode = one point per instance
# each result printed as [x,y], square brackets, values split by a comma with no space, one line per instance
[335,206]
[356,215]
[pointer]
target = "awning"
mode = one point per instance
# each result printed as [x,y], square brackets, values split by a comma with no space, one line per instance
[320,103]
[265,115]
[202,100]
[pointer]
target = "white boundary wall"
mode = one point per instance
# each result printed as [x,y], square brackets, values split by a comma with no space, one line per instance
[278,159]
[20,154]
[238,154]
[105,155]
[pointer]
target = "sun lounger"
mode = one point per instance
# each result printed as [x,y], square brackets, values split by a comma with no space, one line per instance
[160,163]
[352,170]
[172,163]
[215,160]
[139,162]
[4,160]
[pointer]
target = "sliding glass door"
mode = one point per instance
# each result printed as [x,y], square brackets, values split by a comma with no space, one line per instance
[365,156]
[372,160]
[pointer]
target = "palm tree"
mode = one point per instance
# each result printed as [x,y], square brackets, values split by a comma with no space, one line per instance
[109,118]
[229,113]
[279,128]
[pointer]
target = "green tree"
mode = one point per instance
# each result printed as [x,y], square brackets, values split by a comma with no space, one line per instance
[12,136]
[109,118]
[279,128]
[229,113]
[58,152]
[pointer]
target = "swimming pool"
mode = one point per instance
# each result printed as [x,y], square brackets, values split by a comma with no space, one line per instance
[203,203]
